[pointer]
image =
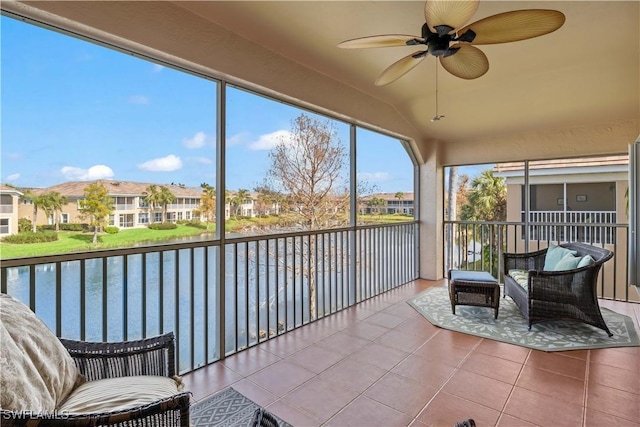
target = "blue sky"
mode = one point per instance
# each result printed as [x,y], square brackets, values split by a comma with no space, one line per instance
[73,111]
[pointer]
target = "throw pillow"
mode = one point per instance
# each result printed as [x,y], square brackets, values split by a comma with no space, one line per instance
[586,261]
[36,371]
[554,254]
[569,262]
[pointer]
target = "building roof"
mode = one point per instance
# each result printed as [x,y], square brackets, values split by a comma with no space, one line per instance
[8,189]
[119,188]
[390,196]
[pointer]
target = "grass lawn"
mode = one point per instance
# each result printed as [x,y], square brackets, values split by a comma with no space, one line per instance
[69,242]
[78,242]
[383,219]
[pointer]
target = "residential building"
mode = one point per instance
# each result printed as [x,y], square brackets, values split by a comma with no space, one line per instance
[9,214]
[388,203]
[130,207]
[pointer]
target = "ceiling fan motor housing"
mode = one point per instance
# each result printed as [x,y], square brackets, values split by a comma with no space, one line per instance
[438,43]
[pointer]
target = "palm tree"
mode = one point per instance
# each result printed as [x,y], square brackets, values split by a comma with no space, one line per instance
[165,197]
[56,202]
[400,196]
[38,201]
[207,203]
[152,197]
[376,204]
[239,199]
[487,199]
[264,201]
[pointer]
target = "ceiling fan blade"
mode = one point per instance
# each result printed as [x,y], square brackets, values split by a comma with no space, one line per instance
[452,13]
[468,62]
[515,25]
[388,40]
[400,68]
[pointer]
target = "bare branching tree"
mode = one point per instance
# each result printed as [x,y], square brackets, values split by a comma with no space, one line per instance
[310,169]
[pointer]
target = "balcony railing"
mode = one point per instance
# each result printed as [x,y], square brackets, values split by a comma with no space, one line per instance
[575,226]
[471,245]
[272,285]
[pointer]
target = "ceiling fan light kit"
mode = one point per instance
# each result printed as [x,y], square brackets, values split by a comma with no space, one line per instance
[442,28]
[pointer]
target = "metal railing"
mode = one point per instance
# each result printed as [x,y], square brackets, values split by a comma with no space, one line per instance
[272,285]
[576,226]
[477,245]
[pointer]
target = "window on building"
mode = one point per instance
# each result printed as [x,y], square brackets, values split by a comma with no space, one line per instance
[126,220]
[143,218]
[4,225]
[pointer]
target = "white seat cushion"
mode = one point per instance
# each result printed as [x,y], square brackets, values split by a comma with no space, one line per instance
[116,394]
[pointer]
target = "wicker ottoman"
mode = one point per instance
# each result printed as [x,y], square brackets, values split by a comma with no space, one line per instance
[477,288]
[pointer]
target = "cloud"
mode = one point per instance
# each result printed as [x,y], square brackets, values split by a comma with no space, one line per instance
[157,68]
[198,140]
[13,177]
[138,99]
[12,156]
[163,164]
[201,160]
[270,140]
[374,176]
[94,172]
[238,138]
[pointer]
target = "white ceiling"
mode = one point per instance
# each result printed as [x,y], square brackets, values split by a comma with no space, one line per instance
[585,74]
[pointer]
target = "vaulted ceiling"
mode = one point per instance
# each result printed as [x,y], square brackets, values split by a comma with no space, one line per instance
[573,92]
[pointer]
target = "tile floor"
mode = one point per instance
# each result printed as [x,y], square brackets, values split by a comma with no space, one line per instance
[383,364]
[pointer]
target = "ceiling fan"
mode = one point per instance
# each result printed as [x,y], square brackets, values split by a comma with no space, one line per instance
[444,19]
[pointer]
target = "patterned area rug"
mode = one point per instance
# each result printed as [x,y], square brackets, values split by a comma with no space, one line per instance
[510,327]
[227,408]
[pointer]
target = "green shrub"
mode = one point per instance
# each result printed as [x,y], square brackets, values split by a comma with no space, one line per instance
[30,237]
[65,227]
[195,223]
[74,227]
[163,226]
[111,230]
[24,225]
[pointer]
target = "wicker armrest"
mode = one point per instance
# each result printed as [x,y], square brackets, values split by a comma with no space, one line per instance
[552,286]
[170,412]
[524,261]
[98,360]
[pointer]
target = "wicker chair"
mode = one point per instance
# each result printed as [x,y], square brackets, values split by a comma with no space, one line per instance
[152,356]
[557,295]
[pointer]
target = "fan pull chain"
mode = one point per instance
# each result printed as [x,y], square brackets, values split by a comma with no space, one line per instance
[437,116]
